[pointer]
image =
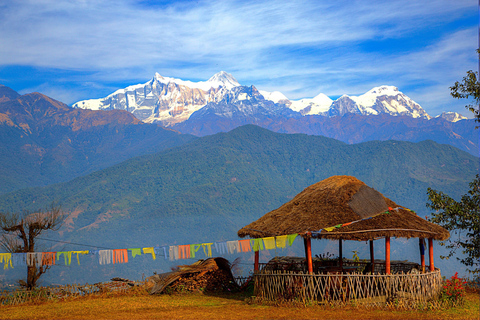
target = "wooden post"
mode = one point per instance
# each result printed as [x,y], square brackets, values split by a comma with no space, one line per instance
[372,257]
[430,254]
[308,252]
[257,262]
[421,243]
[387,255]
[340,253]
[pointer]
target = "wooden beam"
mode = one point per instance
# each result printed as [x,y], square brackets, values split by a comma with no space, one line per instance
[372,258]
[430,254]
[387,255]
[256,265]
[421,243]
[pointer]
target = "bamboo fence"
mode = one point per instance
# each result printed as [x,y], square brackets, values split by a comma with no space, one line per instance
[409,290]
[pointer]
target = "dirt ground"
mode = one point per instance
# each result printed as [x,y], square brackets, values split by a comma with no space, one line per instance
[201,306]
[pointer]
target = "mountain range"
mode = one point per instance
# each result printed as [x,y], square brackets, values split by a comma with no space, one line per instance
[222,104]
[171,101]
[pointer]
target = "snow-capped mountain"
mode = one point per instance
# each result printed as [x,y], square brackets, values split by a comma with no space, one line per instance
[276,97]
[243,101]
[163,99]
[319,105]
[384,99]
[240,106]
[451,116]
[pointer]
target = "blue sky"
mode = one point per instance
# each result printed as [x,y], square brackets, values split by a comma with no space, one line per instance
[75,50]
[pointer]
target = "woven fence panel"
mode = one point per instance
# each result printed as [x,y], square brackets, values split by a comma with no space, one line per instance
[411,290]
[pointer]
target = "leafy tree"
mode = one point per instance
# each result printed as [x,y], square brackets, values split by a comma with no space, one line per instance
[469,88]
[20,232]
[463,218]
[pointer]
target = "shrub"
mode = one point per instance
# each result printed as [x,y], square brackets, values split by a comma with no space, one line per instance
[453,291]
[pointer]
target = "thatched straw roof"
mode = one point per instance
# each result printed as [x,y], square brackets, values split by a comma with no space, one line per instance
[339,200]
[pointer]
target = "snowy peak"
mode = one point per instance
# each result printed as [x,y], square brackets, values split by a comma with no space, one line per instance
[451,116]
[383,90]
[379,100]
[221,79]
[383,99]
[244,104]
[319,105]
[224,79]
[322,99]
[275,96]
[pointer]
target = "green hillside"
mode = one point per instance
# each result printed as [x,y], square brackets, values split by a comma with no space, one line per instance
[216,184]
[43,141]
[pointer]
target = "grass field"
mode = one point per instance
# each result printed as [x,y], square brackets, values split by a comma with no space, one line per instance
[201,306]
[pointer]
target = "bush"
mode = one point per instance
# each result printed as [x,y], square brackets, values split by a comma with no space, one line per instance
[453,291]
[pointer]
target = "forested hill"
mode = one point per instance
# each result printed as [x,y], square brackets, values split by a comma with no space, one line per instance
[44,141]
[216,184]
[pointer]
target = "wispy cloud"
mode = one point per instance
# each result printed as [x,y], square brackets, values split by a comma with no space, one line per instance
[299,47]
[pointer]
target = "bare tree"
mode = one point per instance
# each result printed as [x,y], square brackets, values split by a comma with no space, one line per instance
[20,232]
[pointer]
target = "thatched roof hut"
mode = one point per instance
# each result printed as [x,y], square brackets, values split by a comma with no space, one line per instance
[341,200]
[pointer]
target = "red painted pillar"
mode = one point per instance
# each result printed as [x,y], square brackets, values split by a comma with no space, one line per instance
[387,255]
[257,262]
[421,243]
[430,254]
[309,255]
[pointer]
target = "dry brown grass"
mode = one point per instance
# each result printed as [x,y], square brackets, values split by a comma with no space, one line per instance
[198,306]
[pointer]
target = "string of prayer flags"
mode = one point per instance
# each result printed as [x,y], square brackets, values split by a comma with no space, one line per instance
[109,256]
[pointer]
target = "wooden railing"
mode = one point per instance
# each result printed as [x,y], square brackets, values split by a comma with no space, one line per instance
[357,289]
